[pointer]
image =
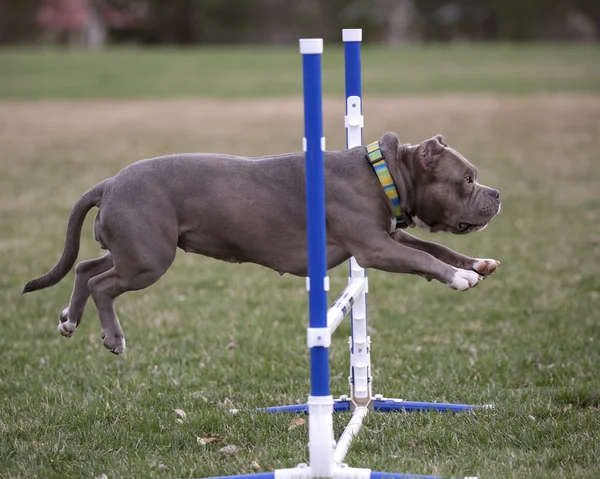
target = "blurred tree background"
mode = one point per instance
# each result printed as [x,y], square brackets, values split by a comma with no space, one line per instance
[94,23]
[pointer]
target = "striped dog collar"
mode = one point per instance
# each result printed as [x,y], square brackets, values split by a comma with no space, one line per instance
[377,160]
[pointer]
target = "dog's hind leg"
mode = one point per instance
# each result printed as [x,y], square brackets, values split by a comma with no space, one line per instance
[130,274]
[84,271]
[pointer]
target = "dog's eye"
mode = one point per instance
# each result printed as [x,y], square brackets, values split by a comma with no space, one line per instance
[468,179]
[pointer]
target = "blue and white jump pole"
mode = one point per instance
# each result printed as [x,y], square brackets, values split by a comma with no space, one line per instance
[360,357]
[320,401]
[353,299]
[354,296]
[326,456]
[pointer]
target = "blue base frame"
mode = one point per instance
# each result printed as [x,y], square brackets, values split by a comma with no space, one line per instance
[385,405]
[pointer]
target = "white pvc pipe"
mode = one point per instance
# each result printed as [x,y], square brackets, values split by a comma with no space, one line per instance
[343,444]
[320,435]
[303,471]
[344,303]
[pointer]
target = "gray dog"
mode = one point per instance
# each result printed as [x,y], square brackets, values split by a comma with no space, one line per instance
[252,210]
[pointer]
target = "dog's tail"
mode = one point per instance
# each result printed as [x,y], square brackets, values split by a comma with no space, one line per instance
[68,257]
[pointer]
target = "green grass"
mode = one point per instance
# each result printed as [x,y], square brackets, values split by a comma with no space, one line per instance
[211,336]
[253,72]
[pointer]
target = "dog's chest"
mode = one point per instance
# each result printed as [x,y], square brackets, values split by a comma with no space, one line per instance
[420,223]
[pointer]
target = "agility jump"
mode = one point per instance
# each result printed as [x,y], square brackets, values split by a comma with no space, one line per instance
[325,454]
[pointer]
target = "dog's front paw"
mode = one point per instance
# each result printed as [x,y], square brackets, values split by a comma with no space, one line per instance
[66,327]
[485,267]
[464,279]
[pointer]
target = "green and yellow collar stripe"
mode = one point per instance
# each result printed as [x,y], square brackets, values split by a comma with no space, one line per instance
[377,160]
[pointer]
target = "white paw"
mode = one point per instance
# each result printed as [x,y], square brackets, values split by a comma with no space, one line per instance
[123,347]
[464,279]
[66,327]
[486,266]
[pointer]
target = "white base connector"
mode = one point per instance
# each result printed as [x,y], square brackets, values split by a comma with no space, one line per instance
[341,471]
[304,471]
[320,435]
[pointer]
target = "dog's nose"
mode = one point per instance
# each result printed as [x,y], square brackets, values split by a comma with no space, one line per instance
[494,193]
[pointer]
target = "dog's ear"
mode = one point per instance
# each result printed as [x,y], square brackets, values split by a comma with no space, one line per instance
[390,143]
[440,139]
[431,151]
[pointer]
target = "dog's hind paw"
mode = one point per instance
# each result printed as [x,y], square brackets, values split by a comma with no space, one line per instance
[485,267]
[115,343]
[464,279]
[66,327]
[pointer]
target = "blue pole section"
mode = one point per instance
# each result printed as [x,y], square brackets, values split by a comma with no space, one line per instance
[390,405]
[360,360]
[315,211]
[338,406]
[353,72]
[392,475]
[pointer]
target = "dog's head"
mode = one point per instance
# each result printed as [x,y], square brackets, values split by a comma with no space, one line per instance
[446,194]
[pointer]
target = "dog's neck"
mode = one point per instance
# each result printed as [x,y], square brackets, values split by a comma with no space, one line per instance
[376,157]
[403,172]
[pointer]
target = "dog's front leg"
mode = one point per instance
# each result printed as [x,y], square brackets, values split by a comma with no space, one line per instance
[385,254]
[483,266]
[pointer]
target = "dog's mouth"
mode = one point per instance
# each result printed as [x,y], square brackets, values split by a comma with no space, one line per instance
[466,228]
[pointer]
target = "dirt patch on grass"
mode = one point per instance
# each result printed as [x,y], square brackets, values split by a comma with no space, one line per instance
[276,121]
[62,139]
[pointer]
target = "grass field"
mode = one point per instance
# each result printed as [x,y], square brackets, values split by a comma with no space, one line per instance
[242,73]
[210,336]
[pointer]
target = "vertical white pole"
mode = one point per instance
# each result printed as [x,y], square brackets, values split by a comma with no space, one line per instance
[360,358]
[360,344]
